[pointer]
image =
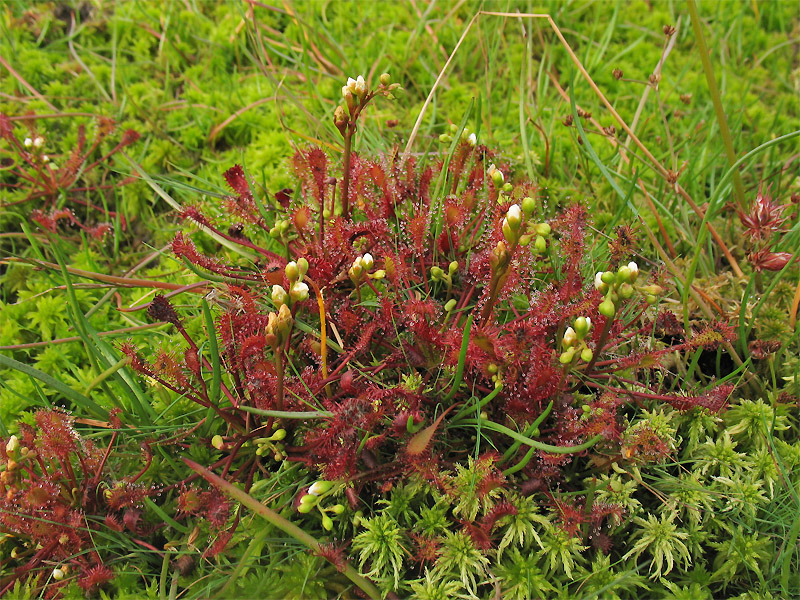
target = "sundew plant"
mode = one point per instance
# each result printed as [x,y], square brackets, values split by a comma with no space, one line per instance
[540,347]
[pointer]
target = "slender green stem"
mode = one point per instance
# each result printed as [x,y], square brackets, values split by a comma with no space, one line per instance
[279,374]
[462,358]
[528,432]
[348,148]
[722,120]
[286,414]
[492,395]
[107,373]
[491,425]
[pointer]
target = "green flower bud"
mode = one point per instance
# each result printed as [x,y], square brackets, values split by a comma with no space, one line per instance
[624,275]
[540,244]
[379,274]
[652,289]
[452,267]
[626,290]
[543,229]
[567,356]
[445,138]
[492,368]
[279,435]
[587,355]
[528,206]
[607,308]
[507,187]
[582,326]
[437,274]
[386,79]
[309,499]
[320,487]
[450,305]
[292,271]
[327,523]
[305,508]
[508,232]
[302,266]
[337,509]
[650,299]
[608,278]
[218,442]
[525,240]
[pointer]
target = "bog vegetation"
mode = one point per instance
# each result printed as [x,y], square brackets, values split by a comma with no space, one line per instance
[402,301]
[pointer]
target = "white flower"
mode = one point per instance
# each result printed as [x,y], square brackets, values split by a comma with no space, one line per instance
[28,142]
[570,337]
[38,142]
[298,292]
[634,270]
[45,158]
[345,91]
[472,139]
[13,444]
[58,574]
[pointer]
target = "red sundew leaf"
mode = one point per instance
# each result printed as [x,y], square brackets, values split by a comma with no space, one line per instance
[238,182]
[284,196]
[420,441]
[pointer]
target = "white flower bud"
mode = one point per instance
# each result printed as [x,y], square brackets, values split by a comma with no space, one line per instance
[570,338]
[360,87]
[13,444]
[514,216]
[38,142]
[320,487]
[472,140]
[28,142]
[634,270]
[598,280]
[367,262]
[279,295]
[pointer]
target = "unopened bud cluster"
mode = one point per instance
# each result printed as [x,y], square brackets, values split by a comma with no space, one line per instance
[281,230]
[314,497]
[533,232]
[298,291]
[621,286]
[497,376]
[438,274]
[272,445]
[467,137]
[574,341]
[361,269]
[16,454]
